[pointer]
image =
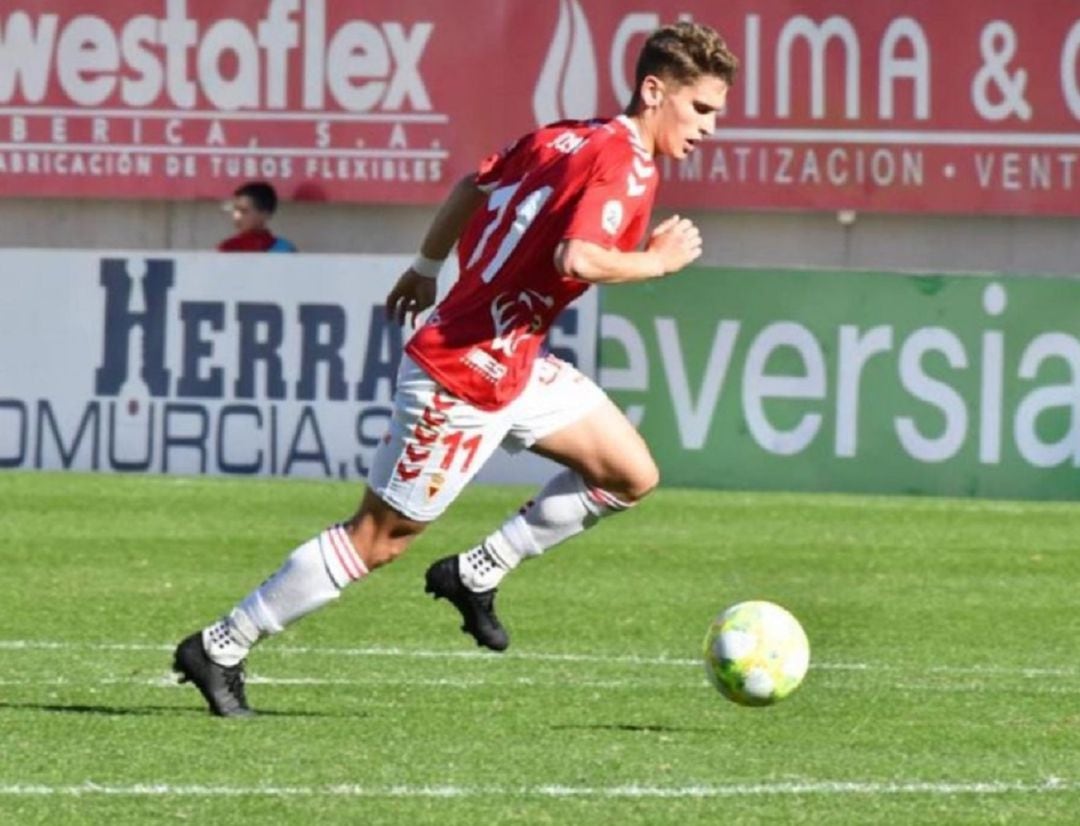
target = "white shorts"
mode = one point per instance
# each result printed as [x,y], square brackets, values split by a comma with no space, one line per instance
[437,442]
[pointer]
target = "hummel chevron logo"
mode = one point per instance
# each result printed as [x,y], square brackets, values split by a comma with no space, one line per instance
[643,170]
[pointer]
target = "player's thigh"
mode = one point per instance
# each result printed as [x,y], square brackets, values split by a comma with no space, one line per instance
[606,449]
[565,416]
[435,445]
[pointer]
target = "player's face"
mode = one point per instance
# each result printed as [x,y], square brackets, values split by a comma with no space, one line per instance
[686,114]
[246,216]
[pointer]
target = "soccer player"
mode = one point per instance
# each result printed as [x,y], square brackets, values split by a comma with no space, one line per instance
[562,208]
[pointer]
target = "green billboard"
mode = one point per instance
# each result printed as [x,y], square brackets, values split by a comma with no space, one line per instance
[964,385]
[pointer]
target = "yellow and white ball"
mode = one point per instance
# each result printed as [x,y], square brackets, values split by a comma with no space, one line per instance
[756,653]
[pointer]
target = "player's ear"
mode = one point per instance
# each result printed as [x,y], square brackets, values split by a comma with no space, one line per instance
[652,90]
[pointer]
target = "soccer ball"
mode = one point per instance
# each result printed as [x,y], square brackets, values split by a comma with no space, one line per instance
[756,653]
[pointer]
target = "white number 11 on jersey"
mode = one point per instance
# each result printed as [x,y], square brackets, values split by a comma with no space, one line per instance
[524,215]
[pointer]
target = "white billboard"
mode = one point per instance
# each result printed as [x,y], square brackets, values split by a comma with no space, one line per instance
[201,363]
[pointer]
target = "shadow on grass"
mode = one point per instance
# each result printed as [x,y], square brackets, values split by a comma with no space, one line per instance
[148,711]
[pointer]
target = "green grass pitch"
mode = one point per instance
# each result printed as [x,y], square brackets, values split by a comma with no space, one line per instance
[944,685]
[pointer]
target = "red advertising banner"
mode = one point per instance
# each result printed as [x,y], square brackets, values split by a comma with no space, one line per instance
[939,106]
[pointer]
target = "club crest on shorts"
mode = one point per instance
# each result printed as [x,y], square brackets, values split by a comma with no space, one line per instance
[435,483]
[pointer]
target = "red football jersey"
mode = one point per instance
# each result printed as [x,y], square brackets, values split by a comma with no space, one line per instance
[592,180]
[253,240]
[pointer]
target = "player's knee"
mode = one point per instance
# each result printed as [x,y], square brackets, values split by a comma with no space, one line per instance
[648,481]
[380,538]
[639,484]
[382,553]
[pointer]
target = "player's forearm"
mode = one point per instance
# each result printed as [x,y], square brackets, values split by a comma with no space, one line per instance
[598,265]
[449,222]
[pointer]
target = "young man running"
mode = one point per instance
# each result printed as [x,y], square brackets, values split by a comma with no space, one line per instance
[562,208]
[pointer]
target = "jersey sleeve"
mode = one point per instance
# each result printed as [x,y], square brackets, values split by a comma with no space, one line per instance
[606,207]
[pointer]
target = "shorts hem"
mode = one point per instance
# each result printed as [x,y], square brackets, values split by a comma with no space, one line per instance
[409,513]
[519,445]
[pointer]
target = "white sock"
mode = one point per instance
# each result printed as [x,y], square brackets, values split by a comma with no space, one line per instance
[312,576]
[564,508]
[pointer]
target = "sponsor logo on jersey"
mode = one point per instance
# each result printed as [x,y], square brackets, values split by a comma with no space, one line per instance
[485,364]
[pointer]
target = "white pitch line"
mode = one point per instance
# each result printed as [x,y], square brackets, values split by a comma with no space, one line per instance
[54,645]
[370,651]
[629,791]
[539,656]
[170,681]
